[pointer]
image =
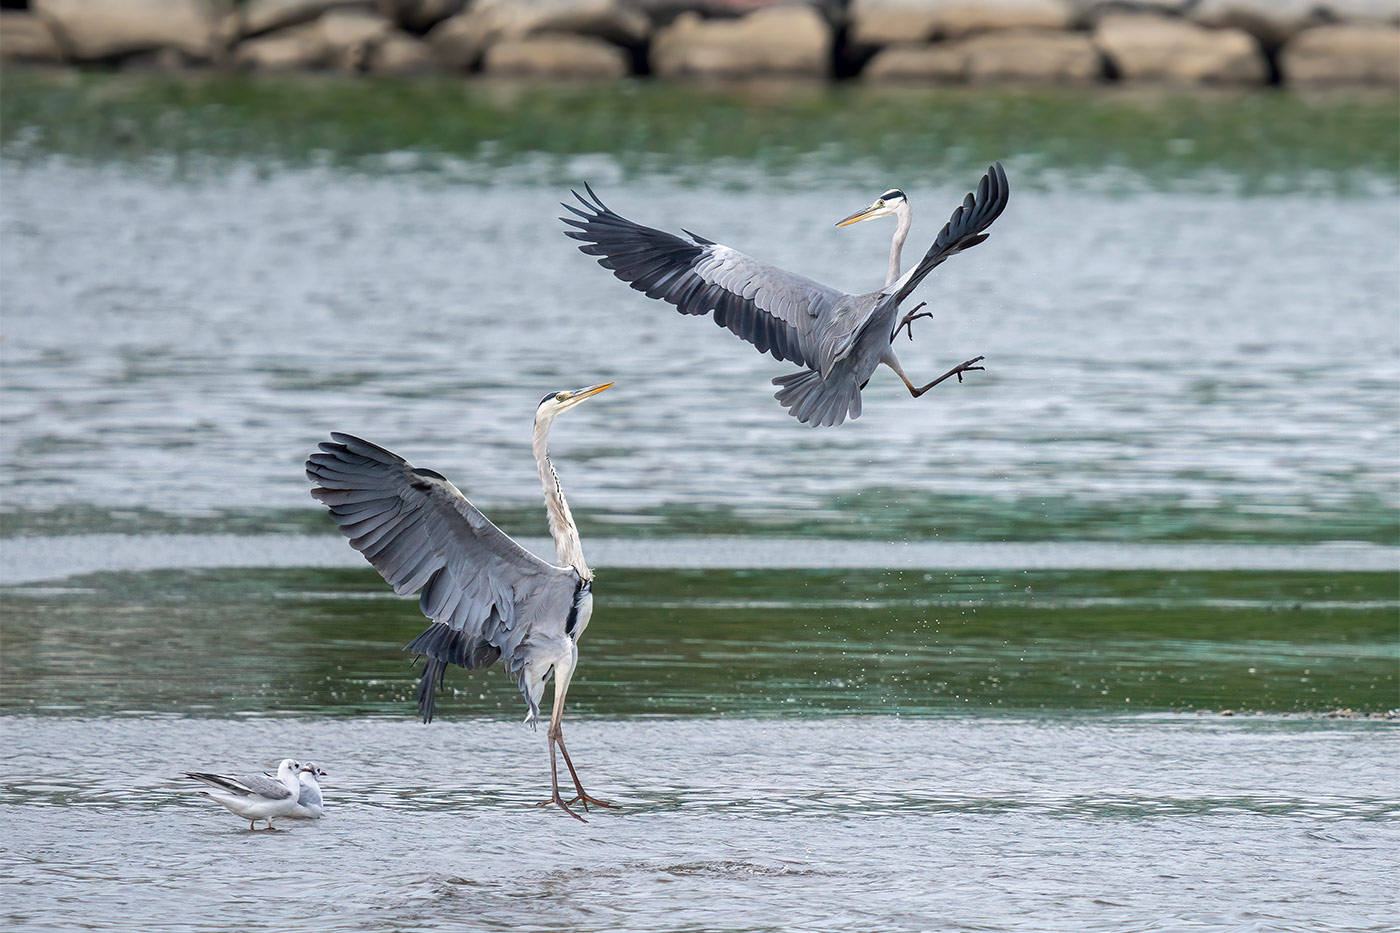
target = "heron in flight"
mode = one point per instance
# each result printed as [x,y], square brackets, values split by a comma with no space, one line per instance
[488,597]
[838,338]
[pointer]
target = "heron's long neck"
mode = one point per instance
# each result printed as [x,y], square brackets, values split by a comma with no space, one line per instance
[901,233]
[561,520]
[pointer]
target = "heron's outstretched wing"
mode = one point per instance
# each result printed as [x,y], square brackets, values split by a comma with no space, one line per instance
[246,786]
[485,593]
[964,230]
[775,310]
[840,331]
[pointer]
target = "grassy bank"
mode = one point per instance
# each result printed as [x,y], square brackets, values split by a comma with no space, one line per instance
[1268,138]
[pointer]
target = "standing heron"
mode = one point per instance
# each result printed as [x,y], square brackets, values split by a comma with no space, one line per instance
[839,338]
[488,597]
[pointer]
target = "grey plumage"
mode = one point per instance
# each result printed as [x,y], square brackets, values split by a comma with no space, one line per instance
[247,785]
[488,597]
[838,338]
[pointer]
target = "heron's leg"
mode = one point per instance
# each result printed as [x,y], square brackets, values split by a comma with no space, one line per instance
[561,686]
[583,797]
[909,318]
[892,361]
[957,370]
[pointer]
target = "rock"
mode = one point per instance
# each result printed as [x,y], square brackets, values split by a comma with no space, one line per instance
[917,64]
[25,37]
[458,42]
[883,22]
[401,54]
[1274,22]
[349,37]
[787,40]
[1145,47]
[92,30]
[295,49]
[1342,55]
[1031,56]
[260,16]
[419,15]
[556,57]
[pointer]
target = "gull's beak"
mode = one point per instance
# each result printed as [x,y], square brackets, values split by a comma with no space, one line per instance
[579,395]
[858,216]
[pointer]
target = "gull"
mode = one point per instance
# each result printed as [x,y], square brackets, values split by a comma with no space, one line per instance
[255,796]
[309,804]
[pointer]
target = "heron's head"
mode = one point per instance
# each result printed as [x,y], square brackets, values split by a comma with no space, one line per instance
[556,402]
[886,204]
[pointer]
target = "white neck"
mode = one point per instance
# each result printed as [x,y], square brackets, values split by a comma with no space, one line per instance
[901,233]
[561,520]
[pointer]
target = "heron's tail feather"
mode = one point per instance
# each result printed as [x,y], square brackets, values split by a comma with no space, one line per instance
[816,401]
[444,645]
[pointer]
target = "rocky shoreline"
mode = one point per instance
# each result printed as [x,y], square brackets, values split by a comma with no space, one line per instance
[1301,44]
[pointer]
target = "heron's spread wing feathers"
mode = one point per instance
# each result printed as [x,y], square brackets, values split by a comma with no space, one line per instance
[775,310]
[487,593]
[964,230]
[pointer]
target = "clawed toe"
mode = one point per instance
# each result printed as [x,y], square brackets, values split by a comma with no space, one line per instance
[586,799]
[556,799]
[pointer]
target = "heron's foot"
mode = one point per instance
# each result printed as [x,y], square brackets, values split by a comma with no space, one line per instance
[909,319]
[586,799]
[957,370]
[559,801]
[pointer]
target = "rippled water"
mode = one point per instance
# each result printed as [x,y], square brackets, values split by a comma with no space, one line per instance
[1159,364]
[865,824]
[872,678]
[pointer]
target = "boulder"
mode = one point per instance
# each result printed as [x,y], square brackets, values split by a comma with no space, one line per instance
[917,64]
[1145,47]
[784,40]
[883,22]
[25,37]
[1015,56]
[92,30]
[401,54]
[419,15]
[348,37]
[1329,56]
[556,57]
[1085,14]
[458,42]
[1274,22]
[260,16]
[296,49]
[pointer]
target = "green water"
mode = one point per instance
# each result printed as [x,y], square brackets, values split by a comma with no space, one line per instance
[1273,140]
[715,643]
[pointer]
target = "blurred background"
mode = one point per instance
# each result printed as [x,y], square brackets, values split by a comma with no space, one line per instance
[227,229]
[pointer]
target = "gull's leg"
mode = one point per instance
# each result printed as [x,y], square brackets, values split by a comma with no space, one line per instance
[909,318]
[251,827]
[892,361]
[561,686]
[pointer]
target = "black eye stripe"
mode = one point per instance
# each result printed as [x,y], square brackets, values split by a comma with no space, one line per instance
[892,194]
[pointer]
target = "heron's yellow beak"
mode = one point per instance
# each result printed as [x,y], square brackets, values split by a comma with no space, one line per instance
[858,216]
[579,395]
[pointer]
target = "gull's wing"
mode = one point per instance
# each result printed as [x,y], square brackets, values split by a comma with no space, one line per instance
[248,785]
[775,310]
[485,593]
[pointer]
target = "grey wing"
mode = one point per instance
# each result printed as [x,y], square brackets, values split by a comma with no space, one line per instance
[485,594]
[264,786]
[964,230]
[775,310]
[245,786]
